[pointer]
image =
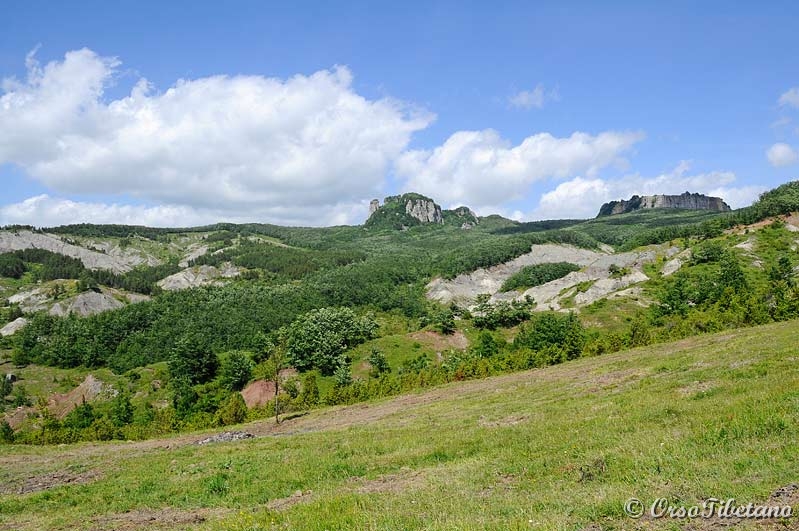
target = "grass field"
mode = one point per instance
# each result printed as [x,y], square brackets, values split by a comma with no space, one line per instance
[556,448]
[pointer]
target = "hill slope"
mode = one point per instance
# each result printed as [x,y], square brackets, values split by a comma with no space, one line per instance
[555,448]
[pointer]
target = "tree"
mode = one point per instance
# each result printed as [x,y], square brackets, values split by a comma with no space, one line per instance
[343,373]
[275,362]
[6,432]
[5,386]
[553,330]
[309,395]
[81,417]
[234,411]
[192,360]
[235,369]
[378,362]
[486,345]
[121,409]
[731,275]
[319,338]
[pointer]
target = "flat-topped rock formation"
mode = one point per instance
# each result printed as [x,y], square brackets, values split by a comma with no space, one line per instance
[687,201]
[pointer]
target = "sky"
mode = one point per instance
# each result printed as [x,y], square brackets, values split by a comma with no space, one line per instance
[299,113]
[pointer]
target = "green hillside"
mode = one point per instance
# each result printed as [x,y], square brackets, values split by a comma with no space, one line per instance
[556,448]
[355,309]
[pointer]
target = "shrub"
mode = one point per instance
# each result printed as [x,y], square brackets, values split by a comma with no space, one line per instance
[552,330]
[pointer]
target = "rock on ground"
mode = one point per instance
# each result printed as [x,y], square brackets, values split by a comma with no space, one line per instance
[466,287]
[87,303]
[113,259]
[227,436]
[194,277]
[13,327]
[595,268]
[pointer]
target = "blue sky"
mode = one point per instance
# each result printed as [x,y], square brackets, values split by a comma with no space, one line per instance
[299,113]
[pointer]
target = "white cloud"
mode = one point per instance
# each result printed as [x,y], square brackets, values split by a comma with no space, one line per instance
[528,99]
[581,197]
[46,211]
[237,146]
[481,169]
[781,154]
[790,98]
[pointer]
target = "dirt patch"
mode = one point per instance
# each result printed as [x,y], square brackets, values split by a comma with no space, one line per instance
[60,404]
[167,518]
[50,481]
[260,392]
[281,504]
[441,342]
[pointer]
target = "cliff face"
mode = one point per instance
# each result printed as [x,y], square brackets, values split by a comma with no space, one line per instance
[403,211]
[423,209]
[686,201]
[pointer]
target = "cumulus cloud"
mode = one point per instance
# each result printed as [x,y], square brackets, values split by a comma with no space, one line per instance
[790,98]
[581,197]
[528,99]
[781,154]
[307,146]
[483,170]
[46,211]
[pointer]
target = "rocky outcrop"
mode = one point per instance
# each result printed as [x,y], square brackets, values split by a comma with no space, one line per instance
[465,288]
[113,258]
[13,327]
[425,210]
[403,211]
[579,288]
[87,303]
[462,216]
[194,252]
[194,277]
[687,201]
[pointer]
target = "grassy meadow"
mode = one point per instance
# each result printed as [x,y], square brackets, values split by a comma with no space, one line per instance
[556,448]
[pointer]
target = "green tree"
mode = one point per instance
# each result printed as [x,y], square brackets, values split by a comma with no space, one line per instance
[309,395]
[274,363]
[731,274]
[6,432]
[486,345]
[553,330]
[233,411]
[319,338]
[343,373]
[235,369]
[81,417]
[5,386]
[378,362]
[121,409]
[192,360]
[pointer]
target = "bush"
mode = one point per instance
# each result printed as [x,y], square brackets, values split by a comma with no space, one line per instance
[503,313]
[234,411]
[552,330]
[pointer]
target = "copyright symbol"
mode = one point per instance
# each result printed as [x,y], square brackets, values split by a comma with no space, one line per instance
[634,508]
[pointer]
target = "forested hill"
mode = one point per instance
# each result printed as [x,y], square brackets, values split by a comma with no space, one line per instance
[193,297]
